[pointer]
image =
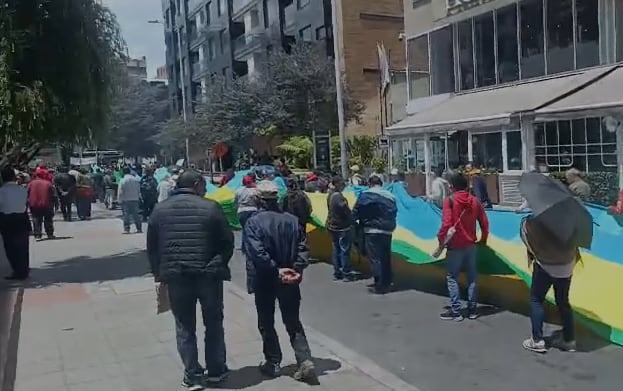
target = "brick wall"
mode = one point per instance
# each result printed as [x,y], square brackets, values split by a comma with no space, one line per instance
[364,23]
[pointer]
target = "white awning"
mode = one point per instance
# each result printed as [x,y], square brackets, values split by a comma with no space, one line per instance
[495,106]
[600,98]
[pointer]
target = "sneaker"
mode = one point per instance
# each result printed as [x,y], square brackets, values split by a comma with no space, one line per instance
[215,379]
[535,346]
[451,315]
[270,369]
[473,314]
[378,290]
[338,277]
[192,382]
[566,346]
[306,372]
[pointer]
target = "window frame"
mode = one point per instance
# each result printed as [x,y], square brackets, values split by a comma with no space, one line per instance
[304,29]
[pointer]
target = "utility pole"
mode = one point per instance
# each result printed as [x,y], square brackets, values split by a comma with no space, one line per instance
[338,88]
[182,85]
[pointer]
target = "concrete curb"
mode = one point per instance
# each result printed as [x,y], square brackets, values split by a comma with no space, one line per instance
[10,311]
[345,354]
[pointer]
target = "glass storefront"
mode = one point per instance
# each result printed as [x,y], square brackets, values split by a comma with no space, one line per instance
[584,144]
[520,41]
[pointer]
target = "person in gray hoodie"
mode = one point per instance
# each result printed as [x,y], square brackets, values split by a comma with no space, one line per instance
[128,195]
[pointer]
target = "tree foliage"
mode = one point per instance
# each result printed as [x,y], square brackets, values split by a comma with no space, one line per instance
[58,61]
[293,94]
[136,114]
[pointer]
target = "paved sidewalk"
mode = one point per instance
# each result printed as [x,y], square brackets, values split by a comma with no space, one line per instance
[89,323]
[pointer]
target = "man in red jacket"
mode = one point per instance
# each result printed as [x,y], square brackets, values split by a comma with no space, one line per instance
[41,204]
[461,210]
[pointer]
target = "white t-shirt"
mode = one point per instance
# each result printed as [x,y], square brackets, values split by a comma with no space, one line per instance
[559,271]
[13,198]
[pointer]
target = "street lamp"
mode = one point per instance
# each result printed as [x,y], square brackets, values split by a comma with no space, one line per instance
[338,88]
[182,84]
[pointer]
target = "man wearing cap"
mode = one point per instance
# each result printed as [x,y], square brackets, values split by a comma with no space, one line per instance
[276,257]
[189,244]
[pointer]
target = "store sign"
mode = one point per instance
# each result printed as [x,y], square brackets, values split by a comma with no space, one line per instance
[461,5]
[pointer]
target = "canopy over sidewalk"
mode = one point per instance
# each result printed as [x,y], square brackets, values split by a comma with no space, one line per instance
[600,98]
[500,106]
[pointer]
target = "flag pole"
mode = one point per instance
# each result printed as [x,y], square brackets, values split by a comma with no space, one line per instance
[380,68]
[338,88]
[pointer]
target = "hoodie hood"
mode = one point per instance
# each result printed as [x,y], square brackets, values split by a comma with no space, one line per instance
[463,199]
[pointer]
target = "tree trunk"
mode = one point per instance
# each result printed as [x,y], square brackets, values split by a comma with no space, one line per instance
[19,155]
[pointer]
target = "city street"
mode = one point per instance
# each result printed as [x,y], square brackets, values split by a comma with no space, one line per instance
[87,322]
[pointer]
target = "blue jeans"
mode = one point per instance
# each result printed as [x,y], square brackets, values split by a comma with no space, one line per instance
[379,250]
[456,259]
[541,282]
[341,253]
[130,211]
[184,292]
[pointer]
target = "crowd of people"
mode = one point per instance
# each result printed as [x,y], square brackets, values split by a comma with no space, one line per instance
[190,244]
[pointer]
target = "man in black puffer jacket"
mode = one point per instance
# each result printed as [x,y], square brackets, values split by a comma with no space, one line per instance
[189,244]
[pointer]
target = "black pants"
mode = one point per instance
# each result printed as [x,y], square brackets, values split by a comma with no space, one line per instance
[184,292]
[15,230]
[379,251]
[43,218]
[83,204]
[148,206]
[289,298]
[66,201]
[541,283]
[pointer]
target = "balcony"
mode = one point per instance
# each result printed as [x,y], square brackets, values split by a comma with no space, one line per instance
[247,44]
[289,24]
[240,7]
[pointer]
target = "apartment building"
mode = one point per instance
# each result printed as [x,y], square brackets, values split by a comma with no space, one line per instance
[510,84]
[230,37]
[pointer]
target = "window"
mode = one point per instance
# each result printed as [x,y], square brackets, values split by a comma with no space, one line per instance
[419,76]
[221,7]
[201,17]
[532,39]
[466,55]
[221,40]
[211,51]
[487,150]
[508,63]
[618,20]
[587,33]
[302,3]
[584,144]
[514,158]
[442,61]
[306,34]
[321,33]
[484,46]
[559,36]
[208,14]
[265,13]
[225,75]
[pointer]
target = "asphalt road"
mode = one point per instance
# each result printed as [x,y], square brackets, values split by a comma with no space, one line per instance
[402,333]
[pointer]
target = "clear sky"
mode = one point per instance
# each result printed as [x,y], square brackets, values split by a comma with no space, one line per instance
[143,39]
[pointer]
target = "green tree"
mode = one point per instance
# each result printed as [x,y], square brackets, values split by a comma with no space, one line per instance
[58,62]
[136,114]
[299,92]
[298,151]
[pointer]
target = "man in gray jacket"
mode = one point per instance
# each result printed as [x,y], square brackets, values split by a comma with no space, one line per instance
[128,195]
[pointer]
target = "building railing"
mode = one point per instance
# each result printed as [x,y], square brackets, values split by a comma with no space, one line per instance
[247,41]
[239,5]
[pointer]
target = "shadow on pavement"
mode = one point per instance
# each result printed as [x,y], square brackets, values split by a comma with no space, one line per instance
[250,376]
[85,269]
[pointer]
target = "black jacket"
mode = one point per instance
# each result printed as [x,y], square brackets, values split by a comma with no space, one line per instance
[297,203]
[189,235]
[273,240]
[339,217]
